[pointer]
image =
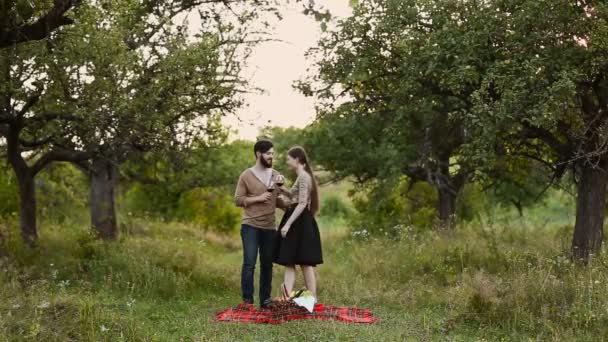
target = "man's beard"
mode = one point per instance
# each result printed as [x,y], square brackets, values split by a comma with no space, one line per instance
[266,163]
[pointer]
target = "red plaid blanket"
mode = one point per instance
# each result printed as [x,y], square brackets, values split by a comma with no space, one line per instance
[280,313]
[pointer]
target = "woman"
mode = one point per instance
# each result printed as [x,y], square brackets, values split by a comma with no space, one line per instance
[299,242]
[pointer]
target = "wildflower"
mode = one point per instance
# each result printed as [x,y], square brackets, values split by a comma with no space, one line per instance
[104,328]
[44,305]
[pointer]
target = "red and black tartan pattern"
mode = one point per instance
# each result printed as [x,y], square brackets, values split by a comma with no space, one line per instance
[281,312]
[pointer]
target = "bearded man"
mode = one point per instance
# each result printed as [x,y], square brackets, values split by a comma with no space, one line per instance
[255,193]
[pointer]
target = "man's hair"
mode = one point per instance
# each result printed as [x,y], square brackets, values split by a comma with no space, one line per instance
[262,146]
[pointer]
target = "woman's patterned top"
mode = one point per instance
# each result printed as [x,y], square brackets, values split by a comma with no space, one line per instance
[301,190]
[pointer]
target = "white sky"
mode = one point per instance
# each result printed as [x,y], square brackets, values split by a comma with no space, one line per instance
[274,66]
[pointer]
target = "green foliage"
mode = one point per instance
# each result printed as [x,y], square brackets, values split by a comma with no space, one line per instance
[395,81]
[333,206]
[212,209]
[517,181]
[539,98]
[154,200]
[386,207]
[137,100]
[155,185]
[62,194]
[284,139]
[8,192]
[472,202]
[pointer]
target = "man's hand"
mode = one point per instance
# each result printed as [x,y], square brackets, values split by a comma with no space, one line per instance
[265,197]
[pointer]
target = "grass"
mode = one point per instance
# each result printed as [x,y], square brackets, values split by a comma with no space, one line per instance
[165,281]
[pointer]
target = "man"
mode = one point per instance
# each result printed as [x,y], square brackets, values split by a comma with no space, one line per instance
[258,226]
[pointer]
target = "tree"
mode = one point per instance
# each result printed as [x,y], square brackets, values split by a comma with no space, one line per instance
[126,79]
[546,98]
[21,92]
[151,88]
[21,21]
[403,73]
[514,180]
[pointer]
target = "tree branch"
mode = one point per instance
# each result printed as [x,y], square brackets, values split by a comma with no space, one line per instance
[59,154]
[42,27]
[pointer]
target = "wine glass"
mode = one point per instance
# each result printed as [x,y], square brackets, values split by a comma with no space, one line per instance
[280,180]
[270,186]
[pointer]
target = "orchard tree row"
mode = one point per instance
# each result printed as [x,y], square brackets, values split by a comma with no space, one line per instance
[512,93]
[101,83]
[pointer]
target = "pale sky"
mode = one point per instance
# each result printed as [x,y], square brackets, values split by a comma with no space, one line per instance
[274,66]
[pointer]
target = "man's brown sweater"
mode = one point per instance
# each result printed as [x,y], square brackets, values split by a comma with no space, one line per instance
[259,214]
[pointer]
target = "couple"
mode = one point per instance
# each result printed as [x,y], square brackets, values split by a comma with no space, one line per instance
[259,192]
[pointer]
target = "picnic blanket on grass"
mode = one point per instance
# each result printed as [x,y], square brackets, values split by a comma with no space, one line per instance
[280,312]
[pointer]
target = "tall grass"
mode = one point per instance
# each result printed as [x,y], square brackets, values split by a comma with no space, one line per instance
[164,282]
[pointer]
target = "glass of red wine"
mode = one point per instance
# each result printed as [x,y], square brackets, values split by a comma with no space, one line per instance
[280,180]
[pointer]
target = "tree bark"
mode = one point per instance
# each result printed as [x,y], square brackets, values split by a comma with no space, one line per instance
[446,207]
[448,187]
[27,208]
[590,203]
[103,176]
[27,187]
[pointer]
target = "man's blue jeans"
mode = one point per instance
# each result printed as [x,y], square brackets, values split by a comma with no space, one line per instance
[254,240]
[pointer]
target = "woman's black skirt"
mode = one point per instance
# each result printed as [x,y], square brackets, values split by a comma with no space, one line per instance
[302,245]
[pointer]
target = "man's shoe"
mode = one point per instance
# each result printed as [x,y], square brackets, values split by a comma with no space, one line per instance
[247,305]
[265,304]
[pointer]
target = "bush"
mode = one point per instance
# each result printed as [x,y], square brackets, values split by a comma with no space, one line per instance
[155,200]
[471,202]
[212,208]
[8,192]
[62,194]
[384,206]
[334,206]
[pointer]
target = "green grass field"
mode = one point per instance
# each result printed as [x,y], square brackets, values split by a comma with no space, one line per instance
[165,282]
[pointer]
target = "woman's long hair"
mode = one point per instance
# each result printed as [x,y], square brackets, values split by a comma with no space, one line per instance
[299,153]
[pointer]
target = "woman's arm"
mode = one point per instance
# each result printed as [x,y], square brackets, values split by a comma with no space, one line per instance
[304,186]
[296,213]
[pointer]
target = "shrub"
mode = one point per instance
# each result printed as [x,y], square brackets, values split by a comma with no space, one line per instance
[334,206]
[211,208]
[62,194]
[384,206]
[156,200]
[8,192]
[471,202]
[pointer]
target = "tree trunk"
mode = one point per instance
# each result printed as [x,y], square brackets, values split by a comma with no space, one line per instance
[519,206]
[448,187]
[446,207]
[27,208]
[27,187]
[103,175]
[588,229]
